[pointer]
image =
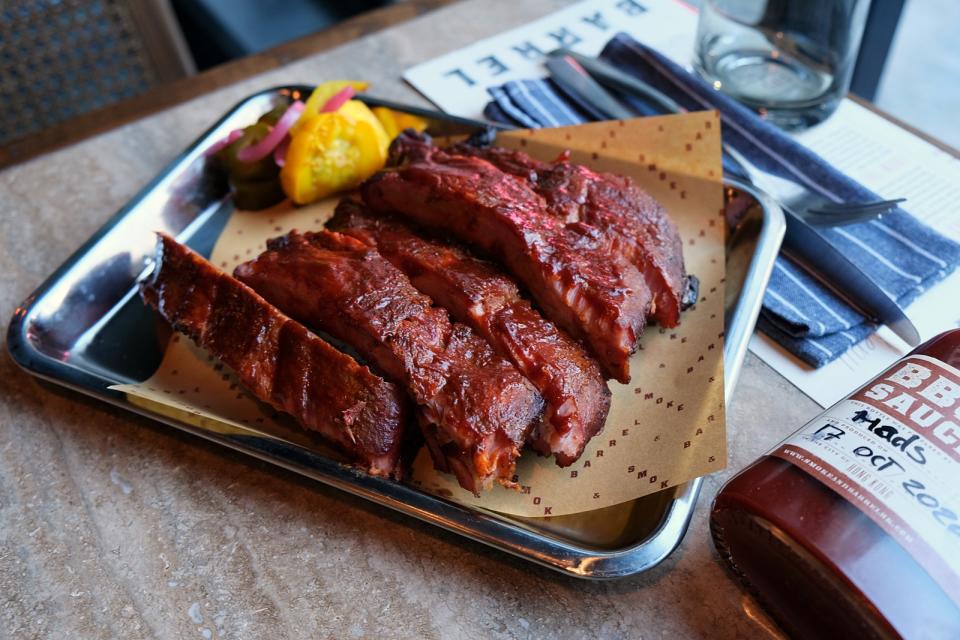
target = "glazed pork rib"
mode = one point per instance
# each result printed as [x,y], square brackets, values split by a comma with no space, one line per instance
[639,227]
[475,407]
[570,270]
[277,359]
[478,295]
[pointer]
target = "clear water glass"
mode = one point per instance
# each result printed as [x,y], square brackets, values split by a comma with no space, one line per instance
[790,60]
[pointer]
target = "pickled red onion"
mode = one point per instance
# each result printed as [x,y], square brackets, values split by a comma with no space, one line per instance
[280,153]
[231,137]
[270,141]
[338,99]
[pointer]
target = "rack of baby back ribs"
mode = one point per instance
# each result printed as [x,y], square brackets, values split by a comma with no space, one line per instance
[489,295]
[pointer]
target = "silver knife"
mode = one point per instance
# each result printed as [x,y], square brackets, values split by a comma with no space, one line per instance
[802,241]
[576,82]
[828,264]
[608,75]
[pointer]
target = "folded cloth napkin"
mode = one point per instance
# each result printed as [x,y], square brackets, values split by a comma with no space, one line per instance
[904,256]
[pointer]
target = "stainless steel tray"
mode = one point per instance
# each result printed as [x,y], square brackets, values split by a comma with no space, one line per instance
[85,329]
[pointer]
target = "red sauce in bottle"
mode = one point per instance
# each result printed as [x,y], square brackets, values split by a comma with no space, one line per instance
[830,531]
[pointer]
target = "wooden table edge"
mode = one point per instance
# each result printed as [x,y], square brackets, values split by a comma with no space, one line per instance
[173,93]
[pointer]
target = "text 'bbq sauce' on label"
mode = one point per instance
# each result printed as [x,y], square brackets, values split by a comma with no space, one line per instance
[851,526]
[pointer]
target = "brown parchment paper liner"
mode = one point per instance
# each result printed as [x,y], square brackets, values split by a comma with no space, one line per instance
[666,427]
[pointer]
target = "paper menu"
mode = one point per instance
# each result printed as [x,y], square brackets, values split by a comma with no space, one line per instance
[457,82]
[665,428]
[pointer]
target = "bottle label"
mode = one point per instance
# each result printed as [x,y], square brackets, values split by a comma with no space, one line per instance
[892,449]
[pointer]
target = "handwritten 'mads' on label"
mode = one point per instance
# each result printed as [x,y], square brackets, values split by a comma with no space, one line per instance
[892,449]
[458,81]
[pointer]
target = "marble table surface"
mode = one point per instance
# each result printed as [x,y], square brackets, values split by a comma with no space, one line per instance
[114,526]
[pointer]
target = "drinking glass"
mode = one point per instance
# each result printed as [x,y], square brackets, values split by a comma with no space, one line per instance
[790,60]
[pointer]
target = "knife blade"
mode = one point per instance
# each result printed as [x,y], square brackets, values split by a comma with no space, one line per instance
[802,242]
[576,82]
[609,76]
[828,264]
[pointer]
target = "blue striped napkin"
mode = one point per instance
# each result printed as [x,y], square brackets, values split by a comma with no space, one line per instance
[904,256]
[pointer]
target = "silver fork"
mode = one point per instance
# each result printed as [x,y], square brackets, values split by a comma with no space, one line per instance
[815,209]
[581,75]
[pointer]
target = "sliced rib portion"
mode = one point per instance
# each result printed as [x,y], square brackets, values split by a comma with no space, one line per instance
[277,359]
[477,294]
[638,225]
[475,407]
[570,270]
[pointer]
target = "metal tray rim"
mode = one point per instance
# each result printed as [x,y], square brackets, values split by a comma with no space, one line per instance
[476,524]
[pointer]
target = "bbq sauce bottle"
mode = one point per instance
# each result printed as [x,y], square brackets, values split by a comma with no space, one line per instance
[850,528]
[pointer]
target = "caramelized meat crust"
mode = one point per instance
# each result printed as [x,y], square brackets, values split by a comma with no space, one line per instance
[637,224]
[570,270]
[277,359]
[475,408]
[477,294]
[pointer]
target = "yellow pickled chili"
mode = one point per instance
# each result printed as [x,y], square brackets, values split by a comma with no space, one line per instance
[361,113]
[394,122]
[331,152]
[323,92]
